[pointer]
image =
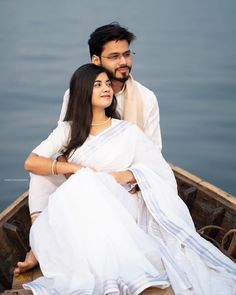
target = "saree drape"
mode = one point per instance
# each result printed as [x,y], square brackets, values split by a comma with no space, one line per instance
[96,238]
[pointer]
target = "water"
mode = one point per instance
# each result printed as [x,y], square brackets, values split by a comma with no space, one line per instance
[185,53]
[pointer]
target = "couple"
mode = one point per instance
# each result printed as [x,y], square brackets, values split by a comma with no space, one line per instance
[94,237]
[109,46]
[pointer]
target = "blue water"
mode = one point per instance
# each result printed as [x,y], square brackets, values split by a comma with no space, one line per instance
[185,52]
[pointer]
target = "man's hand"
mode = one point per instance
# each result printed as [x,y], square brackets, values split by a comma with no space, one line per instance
[125,177]
[134,189]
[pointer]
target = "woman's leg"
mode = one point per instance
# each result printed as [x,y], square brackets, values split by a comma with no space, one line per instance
[30,260]
[40,188]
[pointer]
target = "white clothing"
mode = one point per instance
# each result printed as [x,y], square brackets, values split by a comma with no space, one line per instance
[41,187]
[102,240]
[151,116]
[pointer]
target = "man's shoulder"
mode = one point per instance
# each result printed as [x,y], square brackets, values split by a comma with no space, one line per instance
[144,90]
[148,96]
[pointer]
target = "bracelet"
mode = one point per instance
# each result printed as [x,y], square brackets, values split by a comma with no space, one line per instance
[54,167]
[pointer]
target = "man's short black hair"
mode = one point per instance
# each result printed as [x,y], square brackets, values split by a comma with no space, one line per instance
[104,34]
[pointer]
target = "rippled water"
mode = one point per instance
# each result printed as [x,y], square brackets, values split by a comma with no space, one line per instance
[185,52]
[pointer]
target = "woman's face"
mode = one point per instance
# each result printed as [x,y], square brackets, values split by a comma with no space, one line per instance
[102,92]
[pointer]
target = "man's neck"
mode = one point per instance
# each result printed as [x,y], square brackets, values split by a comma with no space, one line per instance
[117,86]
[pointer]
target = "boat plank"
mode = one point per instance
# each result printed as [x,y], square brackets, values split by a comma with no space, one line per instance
[17,292]
[10,210]
[26,277]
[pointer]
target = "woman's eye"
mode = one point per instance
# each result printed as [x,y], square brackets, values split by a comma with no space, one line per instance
[96,85]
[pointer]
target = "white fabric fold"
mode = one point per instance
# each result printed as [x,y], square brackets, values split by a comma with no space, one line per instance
[95,238]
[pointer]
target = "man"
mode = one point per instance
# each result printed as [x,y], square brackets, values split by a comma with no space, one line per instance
[109,47]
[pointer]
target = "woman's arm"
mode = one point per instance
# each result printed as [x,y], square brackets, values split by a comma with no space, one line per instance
[45,166]
[41,162]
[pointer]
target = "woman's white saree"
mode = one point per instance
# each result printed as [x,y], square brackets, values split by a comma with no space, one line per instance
[94,237]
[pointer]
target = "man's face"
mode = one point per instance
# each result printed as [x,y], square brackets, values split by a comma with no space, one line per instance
[116,58]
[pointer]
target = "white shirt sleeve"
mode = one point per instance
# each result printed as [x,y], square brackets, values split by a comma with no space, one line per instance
[64,105]
[152,122]
[55,142]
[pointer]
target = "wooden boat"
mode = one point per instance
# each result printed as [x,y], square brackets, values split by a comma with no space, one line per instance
[213,212]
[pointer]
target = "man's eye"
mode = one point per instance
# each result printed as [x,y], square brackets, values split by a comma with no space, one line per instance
[114,56]
[127,54]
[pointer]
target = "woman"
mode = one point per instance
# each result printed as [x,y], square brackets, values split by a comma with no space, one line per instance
[94,237]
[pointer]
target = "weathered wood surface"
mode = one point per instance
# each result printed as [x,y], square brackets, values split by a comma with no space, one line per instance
[14,235]
[208,205]
[26,277]
[17,292]
[211,208]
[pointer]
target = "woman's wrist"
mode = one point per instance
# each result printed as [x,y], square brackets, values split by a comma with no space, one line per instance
[67,168]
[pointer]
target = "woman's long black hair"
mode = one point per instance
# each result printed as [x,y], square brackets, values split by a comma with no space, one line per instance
[79,110]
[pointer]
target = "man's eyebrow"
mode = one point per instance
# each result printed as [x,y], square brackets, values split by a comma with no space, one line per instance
[119,52]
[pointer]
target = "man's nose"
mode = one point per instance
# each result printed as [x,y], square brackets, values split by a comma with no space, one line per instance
[122,60]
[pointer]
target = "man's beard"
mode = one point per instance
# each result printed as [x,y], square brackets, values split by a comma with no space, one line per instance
[120,79]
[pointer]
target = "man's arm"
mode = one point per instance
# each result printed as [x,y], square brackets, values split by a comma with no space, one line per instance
[152,123]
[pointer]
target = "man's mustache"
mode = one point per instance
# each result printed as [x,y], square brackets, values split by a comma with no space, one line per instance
[123,67]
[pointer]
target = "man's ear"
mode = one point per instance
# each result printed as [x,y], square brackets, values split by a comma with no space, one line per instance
[96,60]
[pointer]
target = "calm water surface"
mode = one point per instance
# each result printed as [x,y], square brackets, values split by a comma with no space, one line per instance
[185,52]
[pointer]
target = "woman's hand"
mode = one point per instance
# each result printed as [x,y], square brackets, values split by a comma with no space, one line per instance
[123,177]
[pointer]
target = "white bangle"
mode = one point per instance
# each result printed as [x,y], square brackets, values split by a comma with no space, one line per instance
[54,170]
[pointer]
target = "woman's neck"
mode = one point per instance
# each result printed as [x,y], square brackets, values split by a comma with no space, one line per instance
[100,122]
[98,117]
